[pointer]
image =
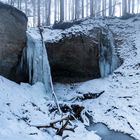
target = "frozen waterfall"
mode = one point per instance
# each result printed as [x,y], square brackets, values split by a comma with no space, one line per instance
[35,59]
[108,58]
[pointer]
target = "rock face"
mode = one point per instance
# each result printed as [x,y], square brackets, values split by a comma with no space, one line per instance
[13,24]
[74,59]
[80,57]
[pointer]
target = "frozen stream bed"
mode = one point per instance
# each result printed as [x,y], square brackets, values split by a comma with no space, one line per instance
[106,134]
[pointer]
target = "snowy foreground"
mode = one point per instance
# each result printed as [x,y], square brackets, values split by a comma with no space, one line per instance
[118,107]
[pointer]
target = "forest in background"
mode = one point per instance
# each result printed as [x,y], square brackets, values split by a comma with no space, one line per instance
[46,12]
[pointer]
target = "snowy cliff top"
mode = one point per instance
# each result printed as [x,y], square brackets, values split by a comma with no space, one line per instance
[54,35]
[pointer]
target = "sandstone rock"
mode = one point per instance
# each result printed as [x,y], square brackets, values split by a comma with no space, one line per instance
[13,24]
[74,59]
[79,57]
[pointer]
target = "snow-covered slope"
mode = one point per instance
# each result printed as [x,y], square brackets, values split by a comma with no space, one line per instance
[119,106]
[22,106]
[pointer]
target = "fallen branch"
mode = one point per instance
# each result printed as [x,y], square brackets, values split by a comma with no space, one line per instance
[74,109]
[87,96]
[59,130]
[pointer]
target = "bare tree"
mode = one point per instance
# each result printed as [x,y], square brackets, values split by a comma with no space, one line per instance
[47,11]
[128,5]
[82,8]
[133,6]
[19,4]
[26,7]
[55,10]
[110,8]
[98,4]
[38,12]
[61,10]
[77,9]
[104,7]
[138,3]
[87,7]
[34,12]
[124,7]
[65,9]
[73,9]
[91,8]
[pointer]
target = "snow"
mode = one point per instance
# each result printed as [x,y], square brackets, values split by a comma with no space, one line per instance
[118,107]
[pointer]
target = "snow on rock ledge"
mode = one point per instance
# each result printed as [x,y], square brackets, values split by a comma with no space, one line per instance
[81,52]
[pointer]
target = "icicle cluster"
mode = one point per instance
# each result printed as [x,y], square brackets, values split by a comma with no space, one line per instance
[36,59]
[108,59]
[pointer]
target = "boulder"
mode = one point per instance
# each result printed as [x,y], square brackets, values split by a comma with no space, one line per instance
[13,26]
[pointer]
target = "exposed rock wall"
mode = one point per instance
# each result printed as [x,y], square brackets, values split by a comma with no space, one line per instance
[13,25]
[74,59]
[80,57]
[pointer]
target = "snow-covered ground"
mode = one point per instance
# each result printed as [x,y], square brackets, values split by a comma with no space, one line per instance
[23,106]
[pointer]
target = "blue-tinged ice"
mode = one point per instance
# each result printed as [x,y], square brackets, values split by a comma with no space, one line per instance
[37,62]
[108,59]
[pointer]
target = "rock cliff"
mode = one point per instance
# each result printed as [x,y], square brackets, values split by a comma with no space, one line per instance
[13,25]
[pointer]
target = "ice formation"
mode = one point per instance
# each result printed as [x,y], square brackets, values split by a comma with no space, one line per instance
[108,58]
[36,59]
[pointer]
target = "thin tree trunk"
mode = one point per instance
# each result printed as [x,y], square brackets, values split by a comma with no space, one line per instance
[55,10]
[128,5]
[86,8]
[124,7]
[133,6]
[34,12]
[26,7]
[110,8]
[82,8]
[91,8]
[38,12]
[47,11]
[73,9]
[77,11]
[138,3]
[61,10]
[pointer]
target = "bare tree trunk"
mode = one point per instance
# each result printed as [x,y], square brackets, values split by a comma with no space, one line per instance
[87,8]
[73,9]
[128,5]
[82,8]
[65,9]
[47,11]
[91,8]
[77,11]
[138,4]
[98,7]
[34,12]
[104,7]
[55,10]
[124,7]
[133,6]
[26,7]
[69,10]
[43,12]
[61,10]
[38,12]
[110,8]
[114,8]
